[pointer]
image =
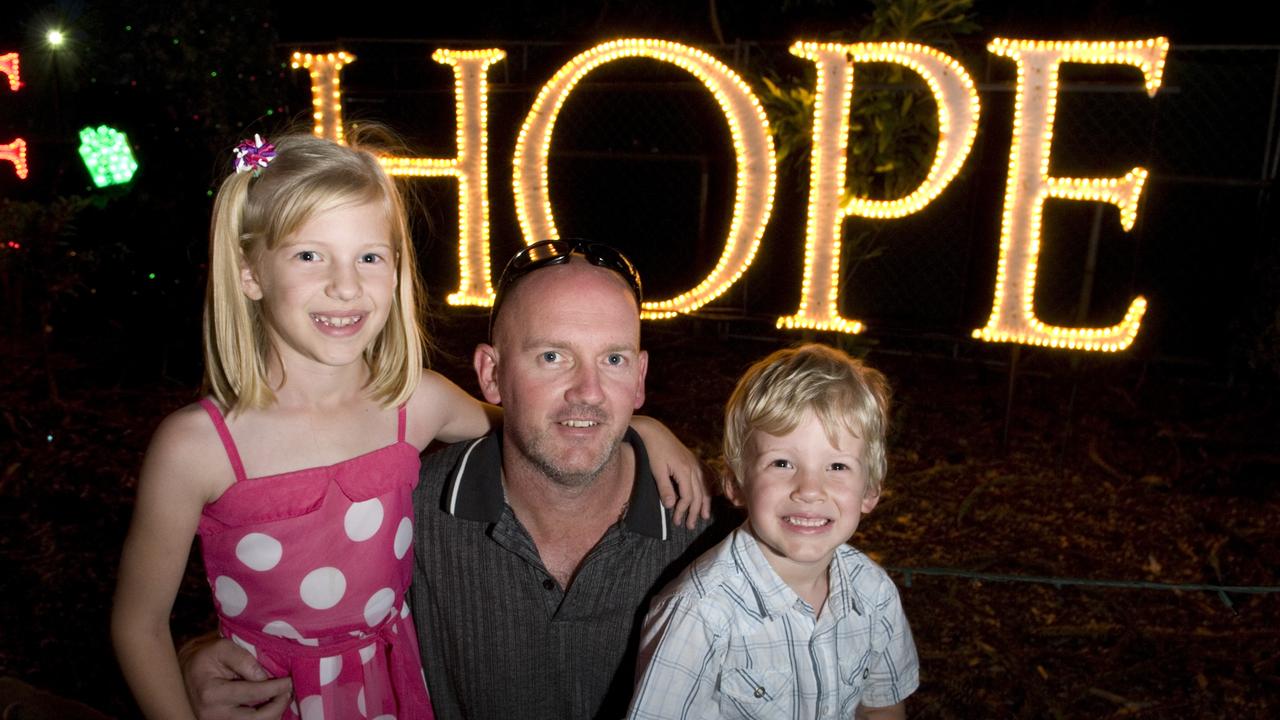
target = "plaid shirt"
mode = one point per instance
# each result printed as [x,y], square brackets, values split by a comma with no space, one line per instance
[730,639]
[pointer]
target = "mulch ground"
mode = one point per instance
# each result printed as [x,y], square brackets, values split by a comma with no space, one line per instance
[1107,469]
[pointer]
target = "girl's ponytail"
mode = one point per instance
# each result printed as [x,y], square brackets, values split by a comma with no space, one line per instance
[230,346]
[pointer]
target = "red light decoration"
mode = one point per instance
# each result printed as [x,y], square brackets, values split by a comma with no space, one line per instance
[9,67]
[16,151]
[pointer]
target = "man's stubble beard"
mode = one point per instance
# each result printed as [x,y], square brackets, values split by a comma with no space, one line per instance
[540,457]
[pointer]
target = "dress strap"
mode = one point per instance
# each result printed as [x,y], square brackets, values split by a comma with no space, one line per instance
[228,444]
[400,424]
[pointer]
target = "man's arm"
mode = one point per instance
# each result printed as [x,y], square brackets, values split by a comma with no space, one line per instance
[673,463]
[225,682]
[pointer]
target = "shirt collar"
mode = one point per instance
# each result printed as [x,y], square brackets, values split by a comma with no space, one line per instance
[841,597]
[773,595]
[475,491]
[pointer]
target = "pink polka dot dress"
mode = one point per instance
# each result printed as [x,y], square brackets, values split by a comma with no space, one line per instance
[309,571]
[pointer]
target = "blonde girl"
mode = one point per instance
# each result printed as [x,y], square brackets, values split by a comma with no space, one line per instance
[297,469]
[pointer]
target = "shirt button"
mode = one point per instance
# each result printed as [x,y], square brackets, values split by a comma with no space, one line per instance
[549,584]
[759,692]
[866,673]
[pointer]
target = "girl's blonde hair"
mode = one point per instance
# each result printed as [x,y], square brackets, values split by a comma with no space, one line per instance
[255,211]
[776,392]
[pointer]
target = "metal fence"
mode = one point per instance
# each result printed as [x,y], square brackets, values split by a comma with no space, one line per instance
[642,158]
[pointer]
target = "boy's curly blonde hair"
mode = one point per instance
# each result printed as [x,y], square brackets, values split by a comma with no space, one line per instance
[776,392]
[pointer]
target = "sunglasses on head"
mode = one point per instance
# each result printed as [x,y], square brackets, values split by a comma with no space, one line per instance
[545,253]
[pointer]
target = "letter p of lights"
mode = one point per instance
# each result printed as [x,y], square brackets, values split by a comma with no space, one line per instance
[16,151]
[752,146]
[1013,317]
[957,100]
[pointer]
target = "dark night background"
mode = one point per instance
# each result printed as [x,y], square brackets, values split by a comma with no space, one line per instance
[1157,465]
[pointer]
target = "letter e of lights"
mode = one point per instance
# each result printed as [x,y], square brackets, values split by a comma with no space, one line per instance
[1013,317]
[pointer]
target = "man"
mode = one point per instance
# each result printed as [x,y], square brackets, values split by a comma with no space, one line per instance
[538,548]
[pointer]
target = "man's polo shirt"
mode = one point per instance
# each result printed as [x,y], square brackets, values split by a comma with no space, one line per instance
[499,637]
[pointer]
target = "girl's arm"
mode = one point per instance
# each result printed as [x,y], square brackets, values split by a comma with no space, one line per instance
[440,410]
[179,475]
[674,464]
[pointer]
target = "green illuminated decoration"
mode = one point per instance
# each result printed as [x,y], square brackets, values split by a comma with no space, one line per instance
[107,155]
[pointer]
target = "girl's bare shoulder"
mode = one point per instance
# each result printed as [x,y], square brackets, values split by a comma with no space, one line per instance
[186,445]
[188,428]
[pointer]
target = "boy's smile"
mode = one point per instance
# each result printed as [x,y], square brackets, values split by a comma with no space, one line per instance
[804,497]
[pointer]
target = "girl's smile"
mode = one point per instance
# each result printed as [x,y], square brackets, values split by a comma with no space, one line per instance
[338,324]
[326,290]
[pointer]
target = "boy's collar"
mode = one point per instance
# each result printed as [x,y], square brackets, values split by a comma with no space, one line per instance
[773,595]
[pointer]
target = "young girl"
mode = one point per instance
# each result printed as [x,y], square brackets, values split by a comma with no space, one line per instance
[297,471]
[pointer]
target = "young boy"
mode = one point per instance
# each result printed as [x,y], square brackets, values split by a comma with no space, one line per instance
[783,619]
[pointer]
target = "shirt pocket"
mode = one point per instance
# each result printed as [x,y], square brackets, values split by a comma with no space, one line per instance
[755,693]
[854,672]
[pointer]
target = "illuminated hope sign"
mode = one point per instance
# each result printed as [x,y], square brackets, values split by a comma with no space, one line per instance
[16,151]
[1013,317]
